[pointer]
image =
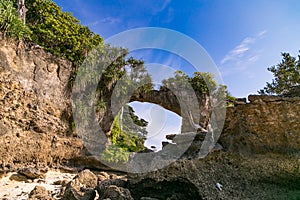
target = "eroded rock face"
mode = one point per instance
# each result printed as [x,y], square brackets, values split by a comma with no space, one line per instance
[35,111]
[266,124]
[267,176]
[34,82]
[34,108]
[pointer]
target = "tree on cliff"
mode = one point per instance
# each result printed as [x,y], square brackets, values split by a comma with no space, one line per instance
[22,10]
[286,76]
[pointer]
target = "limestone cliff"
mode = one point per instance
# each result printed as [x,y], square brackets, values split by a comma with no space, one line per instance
[266,124]
[34,107]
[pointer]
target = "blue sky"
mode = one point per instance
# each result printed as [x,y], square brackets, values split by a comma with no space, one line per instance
[243,37]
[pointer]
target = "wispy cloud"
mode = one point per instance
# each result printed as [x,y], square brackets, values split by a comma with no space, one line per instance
[107,20]
[238,51]
[111,20]
[162,7]
[170,16]
[262,34]
[243,54]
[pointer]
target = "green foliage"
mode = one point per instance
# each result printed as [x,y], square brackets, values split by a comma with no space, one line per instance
[129,139]
[59,32]
[286,76]
[201,82]
[126,140]
[114,154]
[100,106]
[135,119]
[134,125]
[223,94]
[115,68]
[10,23]
[128,71]
[179,81]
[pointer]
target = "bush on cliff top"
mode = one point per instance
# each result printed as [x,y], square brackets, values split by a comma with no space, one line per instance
[48,26]
[59,32]
[10,23]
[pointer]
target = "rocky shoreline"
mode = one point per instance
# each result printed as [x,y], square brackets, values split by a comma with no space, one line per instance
[269,176]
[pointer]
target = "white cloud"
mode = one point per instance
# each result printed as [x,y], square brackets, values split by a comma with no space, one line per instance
[239,50]
[240,57]
[170,16]
[253,58]
[262,34]
[110,20]
[107,20]
[163,7]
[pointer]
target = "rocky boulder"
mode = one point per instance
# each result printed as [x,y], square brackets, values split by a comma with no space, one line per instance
[40,193]
[31,173]
[82,187]
[116,193]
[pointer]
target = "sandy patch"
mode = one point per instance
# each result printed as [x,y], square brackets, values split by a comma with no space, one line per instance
[15,190]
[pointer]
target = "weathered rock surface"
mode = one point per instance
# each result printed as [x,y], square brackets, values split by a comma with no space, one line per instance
[113,189]
[34,109]
[40,193]
[18,177]
[265,177]
[192,142]
[116,193]
[31,173]
[82,187]
[36,83]
[266,124]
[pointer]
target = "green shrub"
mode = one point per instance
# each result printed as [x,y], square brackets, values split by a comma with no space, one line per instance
[59,32]
[113,154]
[129,138]
[10,23]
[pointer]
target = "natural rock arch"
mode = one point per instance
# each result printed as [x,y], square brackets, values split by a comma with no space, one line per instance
[168,100]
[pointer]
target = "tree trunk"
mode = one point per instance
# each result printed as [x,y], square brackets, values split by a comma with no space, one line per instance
[22,10]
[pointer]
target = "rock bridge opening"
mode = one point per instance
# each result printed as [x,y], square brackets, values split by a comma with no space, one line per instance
[165,113]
